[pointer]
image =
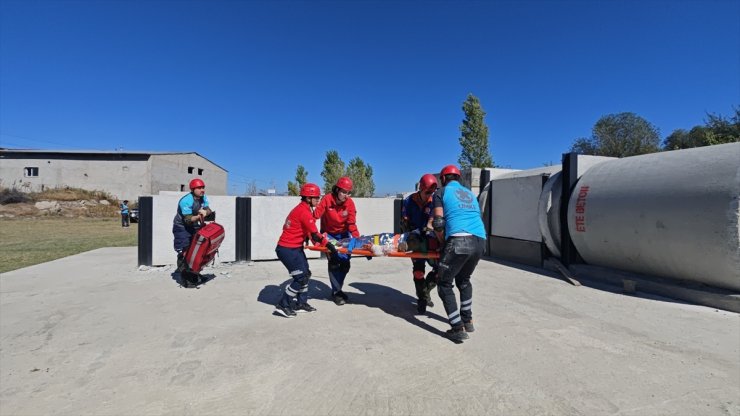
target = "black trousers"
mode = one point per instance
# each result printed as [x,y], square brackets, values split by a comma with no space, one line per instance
[459,258]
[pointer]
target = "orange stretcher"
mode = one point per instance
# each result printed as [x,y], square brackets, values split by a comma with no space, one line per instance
[365,253]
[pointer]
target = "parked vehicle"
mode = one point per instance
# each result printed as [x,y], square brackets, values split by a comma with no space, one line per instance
[133,215]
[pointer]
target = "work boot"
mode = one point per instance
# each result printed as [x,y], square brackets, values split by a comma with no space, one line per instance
[284,311]
[429,300]
[189,279]
[457,334]
[338,299]
[429,284]
[421,307]
[304,308]
[180,262]
[344,296]
[469,327]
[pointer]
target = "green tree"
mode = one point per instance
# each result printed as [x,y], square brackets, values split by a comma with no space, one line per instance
[333,170]
[474,136]
[362,178]
[294,188]
[682,139]
[619,135]
[717,129]
[721,129]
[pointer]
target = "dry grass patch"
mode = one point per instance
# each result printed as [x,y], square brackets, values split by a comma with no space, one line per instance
[28,241]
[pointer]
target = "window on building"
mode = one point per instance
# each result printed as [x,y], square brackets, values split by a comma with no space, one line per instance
[200,171]
[30,172]
[190,169]
[182,188]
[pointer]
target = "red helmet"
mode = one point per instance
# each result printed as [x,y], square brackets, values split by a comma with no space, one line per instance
[450,170]
[427,181]
[310,189]
[196,183]
[345,183]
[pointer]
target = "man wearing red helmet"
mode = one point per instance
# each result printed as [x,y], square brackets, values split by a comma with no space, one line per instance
[299,225]
[338,219]
[416,215]
[191,210]
[457,221]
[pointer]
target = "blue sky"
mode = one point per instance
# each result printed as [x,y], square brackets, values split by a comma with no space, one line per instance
[260,87]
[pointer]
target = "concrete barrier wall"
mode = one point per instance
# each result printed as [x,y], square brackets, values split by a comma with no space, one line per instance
[514,207]
[164,208]
[268,213]
[374,215]
[268,216]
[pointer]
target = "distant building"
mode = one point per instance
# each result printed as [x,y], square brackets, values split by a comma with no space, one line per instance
[125,175]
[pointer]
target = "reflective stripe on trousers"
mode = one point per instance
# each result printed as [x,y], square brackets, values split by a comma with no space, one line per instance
[459,258]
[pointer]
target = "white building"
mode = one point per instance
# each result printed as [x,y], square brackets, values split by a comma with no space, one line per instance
[125,175]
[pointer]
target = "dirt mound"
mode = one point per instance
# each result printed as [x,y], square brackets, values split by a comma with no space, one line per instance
[58,202]
[51,208]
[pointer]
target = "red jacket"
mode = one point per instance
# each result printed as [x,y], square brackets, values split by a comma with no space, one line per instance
[300,225]
[337,218]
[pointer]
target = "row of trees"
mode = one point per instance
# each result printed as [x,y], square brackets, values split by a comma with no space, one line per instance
[473,140]
[360,172]
[616,135]
[627,134]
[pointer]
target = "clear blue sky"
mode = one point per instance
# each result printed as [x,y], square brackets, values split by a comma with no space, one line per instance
[260,87]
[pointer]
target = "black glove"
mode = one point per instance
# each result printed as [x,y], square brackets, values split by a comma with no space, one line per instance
[331,248]
[369,257]
[210,217]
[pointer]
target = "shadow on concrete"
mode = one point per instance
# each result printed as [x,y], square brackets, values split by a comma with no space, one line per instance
[270,294]
[392,302]
[604,280]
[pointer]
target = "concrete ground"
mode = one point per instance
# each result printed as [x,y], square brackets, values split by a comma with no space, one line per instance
[91,334]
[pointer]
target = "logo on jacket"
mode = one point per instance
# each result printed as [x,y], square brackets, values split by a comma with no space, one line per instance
[464,196]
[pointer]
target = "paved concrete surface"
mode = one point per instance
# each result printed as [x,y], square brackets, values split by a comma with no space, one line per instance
[91,334]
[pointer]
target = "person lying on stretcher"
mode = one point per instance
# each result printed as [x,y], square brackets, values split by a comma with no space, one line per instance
[384,243]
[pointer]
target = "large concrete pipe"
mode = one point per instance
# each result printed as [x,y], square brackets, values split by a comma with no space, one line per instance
[548,209]
[549,213]
[671,214]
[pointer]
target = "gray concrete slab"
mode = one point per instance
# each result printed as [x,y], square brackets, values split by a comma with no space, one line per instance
[91,334]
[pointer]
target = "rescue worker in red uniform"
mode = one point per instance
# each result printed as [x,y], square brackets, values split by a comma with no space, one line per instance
[416,215]
[338,219]
[299,226]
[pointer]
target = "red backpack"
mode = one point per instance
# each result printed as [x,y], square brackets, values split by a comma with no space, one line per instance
[204,246]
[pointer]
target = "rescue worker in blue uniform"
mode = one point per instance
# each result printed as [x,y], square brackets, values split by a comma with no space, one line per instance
[457,222]
[191,210]
[416,215]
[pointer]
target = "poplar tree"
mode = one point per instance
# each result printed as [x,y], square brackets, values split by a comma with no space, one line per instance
[474,136]
[362,178]
[333,170]
[294,188]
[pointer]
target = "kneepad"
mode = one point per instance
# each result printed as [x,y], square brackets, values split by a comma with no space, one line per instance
[303,279]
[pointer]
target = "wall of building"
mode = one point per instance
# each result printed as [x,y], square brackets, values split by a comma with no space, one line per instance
[125,176]
[173,172]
